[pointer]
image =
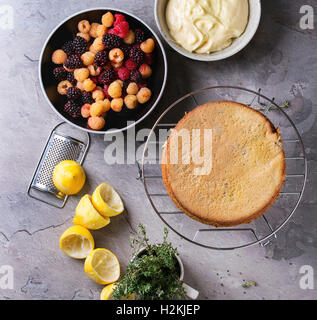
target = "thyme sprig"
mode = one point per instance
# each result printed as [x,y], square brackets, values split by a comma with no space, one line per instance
[249,284]
[285,104]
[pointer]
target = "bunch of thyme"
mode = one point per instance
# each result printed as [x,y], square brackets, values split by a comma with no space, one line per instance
[153,274]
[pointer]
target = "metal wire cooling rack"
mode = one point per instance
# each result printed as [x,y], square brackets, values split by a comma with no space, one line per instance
[261,231]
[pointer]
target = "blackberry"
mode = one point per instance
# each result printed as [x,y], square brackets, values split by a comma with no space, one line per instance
[71,78]
[135,76]
[137,55]
[79,45]
[68,47]
[72,108]
[111,41]
[126,50]
[139,36]
[101,58]
[73,93]
[86,97]
[73,62]
[107,77]
[60,74]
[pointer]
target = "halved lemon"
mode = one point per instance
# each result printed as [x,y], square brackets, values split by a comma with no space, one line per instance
[102,266]
[106,293]
[77,242]
[107,201]
[69,177]
[87,216]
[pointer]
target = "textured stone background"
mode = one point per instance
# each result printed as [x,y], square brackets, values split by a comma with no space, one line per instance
[281,59]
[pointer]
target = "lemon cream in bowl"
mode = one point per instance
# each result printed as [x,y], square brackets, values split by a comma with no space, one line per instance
[206,26]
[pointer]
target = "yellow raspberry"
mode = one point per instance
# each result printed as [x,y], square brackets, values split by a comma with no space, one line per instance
[63,86]
[117,104]
[96,123]
[130,37]
[85,36]
[101,30]
[92,49]
[148,46]
[107,19]
[97,109]
[84,26]
[93,30]
[115,90]
[98,95]
[132,88]
[131,101]
[144,95]
[59,56]
[88,58]
[98,45]
[81,74]
[94,70]
[89,85]
[107,105]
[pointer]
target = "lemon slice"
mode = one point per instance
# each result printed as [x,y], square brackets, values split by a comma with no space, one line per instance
[102,266]
[106,293]
[77,242]
[87,216]
[69,177]
[107,201]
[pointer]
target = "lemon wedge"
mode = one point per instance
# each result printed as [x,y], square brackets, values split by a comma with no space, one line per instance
[102,266]
[69,177]
[107,201]
[77,242]
[106,293]
[87,216]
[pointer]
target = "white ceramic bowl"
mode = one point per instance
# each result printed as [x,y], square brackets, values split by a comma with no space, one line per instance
[237,44]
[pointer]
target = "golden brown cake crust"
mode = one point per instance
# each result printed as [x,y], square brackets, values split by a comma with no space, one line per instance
[248,168]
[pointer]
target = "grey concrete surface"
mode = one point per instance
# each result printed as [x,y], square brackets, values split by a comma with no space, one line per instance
[281,60]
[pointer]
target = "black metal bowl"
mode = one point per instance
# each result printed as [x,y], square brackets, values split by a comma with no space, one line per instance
[115,122]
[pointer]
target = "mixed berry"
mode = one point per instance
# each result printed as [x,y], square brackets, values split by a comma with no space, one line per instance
[105,67]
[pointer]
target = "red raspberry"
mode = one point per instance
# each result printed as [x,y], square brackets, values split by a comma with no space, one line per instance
[124,26]
[119,18]
[131,65]
[142,85]
[121,29]
[124,73]
[105,92]
[113,31]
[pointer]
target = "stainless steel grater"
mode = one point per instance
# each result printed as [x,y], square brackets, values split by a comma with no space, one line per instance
[60,146]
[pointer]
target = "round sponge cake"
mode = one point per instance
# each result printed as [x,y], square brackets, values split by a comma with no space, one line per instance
[224,164]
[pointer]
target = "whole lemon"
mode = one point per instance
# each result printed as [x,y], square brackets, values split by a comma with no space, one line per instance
[69,177]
